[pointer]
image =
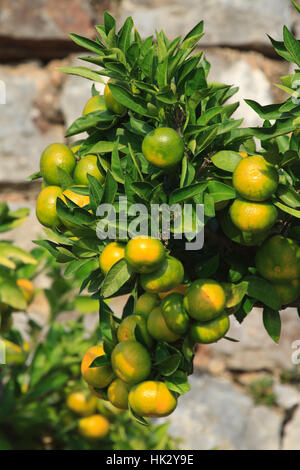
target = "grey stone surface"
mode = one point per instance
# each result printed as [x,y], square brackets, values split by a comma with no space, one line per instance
[286,396]
[23,136]
[291,438]
[229,22]
[256,350]
[215,415]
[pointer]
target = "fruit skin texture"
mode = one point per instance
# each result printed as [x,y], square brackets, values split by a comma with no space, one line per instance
[87,165]
[287,291]
[118,394]
[168,276]
[152,399]
[111,103]
[204,300]
[146,303]
[98,377]
[163,147]
[131,361]
[79,403]
[158,328]
[46,206]
[174,313]
[211,331]
[27,288]
[56,155]
[93,427]
[112,253]
[279,259]
[96,103]
[144,254]
[253,217]
[255,179]
[127,327]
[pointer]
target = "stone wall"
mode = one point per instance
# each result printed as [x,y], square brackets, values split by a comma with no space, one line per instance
[42,102]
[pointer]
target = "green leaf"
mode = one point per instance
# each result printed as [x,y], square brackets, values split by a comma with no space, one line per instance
[82,72]
[169,365]
[183,194]
[292,45]
[117,276]
[65,179]
[126,99]
[272,323]
[178,383]
[288,195]
[10,253]
[96,191]
[262,290]
[207,268]
[226,160]
[115,168]
[102,120]
[187,173]
[88,44]
[34,176]
[296,5]
[221,191]
[288,210]
[110,188]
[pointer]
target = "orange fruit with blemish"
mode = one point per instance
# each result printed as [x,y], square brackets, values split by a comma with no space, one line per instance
[117,394]
[131,361]
[204,300]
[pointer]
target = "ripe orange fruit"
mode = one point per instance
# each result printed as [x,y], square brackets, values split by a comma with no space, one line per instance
[93,427]
[131,361]
[211,331]
[56,155]
[81,404]
[163,147]
[278,259]
[152,399]
[111,103]
[96,103]
[88,165]
[146,303]
[204,300]
[128,326]
[253,217]
[46,206]
[118,394]
[174,313]
[98,377]
[288,291]
[168,276]
[27,288]
[112,253]
[158,328]
[144,254]
[255,179]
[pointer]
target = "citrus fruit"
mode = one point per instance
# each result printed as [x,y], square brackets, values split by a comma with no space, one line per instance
[27,288]
[146,303]
[181,289]
[131,361]
[127,329]
[98,377]
[211,331]
[152,399]
[168,276]
[173,311]
[144,254]
[111,103]
[287,291]
[253,217]
[255,179]
[158,328]
[95,103]
[46,206]
[204,300]
[93,427]
[54,156]
[236,235]
[81,404]
[278,259]
[163,147]
[117,394]
[87,165]
[112,253]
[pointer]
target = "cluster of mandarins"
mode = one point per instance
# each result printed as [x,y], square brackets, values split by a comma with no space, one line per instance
[167,311]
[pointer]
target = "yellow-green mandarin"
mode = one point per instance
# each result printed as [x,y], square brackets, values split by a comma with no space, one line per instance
[111,103]
[255,179]
[46,206]
[152,399]
[211,331]
[287,291]
[163,147]
[158,328]
[98,377]
[88,165]
[54,156]
[253,217]
[174,313]
[117,394]
[96,103]
[111,254]
[146,303]
[168,276]
[144,254]
[127,329]
[204,300]
[131,361]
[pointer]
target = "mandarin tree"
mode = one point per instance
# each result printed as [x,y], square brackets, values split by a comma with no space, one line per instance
[165,135]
